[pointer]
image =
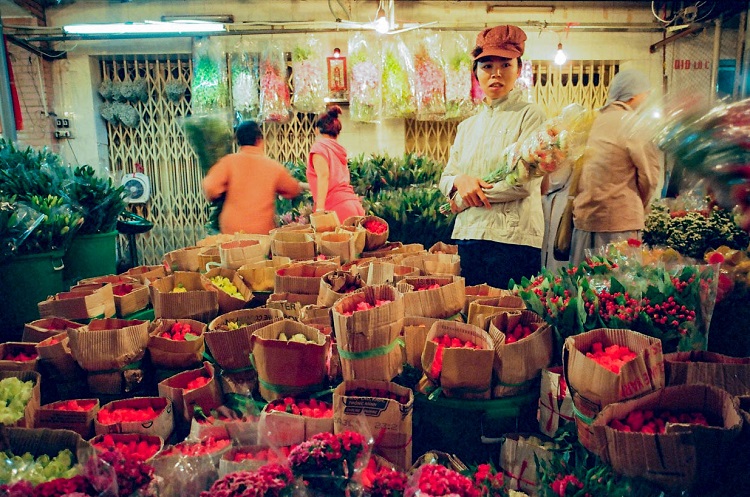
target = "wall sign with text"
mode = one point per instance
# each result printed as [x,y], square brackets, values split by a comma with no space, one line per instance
[692,65]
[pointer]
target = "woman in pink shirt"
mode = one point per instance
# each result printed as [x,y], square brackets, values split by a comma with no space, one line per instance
[328,172]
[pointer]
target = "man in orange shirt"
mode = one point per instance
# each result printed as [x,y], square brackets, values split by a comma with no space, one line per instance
[251,182]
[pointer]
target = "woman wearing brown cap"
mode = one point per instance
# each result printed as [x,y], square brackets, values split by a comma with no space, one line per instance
[499,235]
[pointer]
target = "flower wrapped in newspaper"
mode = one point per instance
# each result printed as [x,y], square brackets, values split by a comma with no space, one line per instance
[365,78]
[274,92]
[308,76]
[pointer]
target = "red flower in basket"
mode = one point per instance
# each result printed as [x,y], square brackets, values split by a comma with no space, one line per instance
[127,414]
[179,332]
[122,289]
[75,405]
[375,226]
[19,356]
[433,480]
[138,449]
[653,422]
[310,408]
[272,480]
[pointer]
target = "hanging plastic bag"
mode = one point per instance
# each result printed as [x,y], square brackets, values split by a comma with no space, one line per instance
[209,92]
[399,99]
[17,222]
[274,90]
[309,76]
[244,59]
[458,78]
[430,78]
[364,78]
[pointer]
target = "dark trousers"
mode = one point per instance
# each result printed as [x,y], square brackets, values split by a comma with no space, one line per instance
[495,263]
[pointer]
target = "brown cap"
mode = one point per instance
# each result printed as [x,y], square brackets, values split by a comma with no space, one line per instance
[501,41]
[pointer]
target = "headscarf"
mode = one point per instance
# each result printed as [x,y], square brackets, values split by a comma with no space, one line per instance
[626,85]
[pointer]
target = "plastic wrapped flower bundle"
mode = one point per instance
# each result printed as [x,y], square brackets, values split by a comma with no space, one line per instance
[364,80]
[458,102]
[274,91]
[434,480]
[209,91]
[398,80]
[308,76]
[244,67]
[271,480]
[430,79]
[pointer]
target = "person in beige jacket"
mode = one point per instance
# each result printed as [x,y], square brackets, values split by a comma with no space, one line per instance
[620,174]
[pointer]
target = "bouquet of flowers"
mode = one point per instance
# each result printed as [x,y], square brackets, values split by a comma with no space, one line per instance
[434,480]
[458,79]
[398,80]
[209,92]
[244,67]
[271,480]
[274,91]
[309,78]
[387,482]
[365,78]
[430,78]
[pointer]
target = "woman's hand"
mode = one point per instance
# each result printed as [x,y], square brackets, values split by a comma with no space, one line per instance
[470,189]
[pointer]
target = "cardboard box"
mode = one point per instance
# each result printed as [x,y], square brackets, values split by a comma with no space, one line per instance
[208,396]
[440,303]
[482,310]
[228,303]
[13,349]
[322,222]
[483,291]
[146,274]
[388,421]
[231,348]
[287,368]
[199,303]
[282,428]
[81,422]
[302,277]
[728,373]
[368,341]
[106,344]
[41,329]
[32,406]
[297,245]
[686,457]
[237,253]
[518,459]
[290,304]
[555,401]
[161,426]
[176,354]
[90,303]
[184,259]
[43,441]
[259,276]
[465,373]
[135,300]
[55,358]
[415,335]
[517,365]
[435,264]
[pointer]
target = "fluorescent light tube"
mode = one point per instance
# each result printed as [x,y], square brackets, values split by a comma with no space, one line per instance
[144,27]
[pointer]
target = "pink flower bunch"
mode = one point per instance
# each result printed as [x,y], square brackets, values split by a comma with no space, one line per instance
[271,480]
[365,83]
[274,92]
[430,83]
[309,85]
[435,480]
[566,485]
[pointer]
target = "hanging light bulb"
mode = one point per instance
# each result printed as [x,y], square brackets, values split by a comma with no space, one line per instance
[336,52]
[382,25]
[560,56]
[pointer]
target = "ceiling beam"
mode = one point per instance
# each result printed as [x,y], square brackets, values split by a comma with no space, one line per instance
[35,8]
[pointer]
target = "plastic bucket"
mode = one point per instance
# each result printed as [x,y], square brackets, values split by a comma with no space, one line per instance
[471,429]
[90,256]
[25,281]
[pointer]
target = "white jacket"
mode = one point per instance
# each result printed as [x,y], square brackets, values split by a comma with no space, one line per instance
[515,215]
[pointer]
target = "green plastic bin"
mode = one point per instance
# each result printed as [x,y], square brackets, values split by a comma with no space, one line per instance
[89,256]
[25,281]
[470,429]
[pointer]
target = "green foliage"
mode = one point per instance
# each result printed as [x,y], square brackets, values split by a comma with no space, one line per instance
[28,172]
[209,91]
[98,199]
[210,137]
[56,231]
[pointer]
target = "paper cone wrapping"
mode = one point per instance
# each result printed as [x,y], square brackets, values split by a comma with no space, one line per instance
[81,422]
[335,285]
[231,348]
[728,373]
[236,254]
[207,397]
[42,329]
[44,441]
[465,373]
[389,421]
[435,264]
[290,304]
[687,456]
[555,401]
[32,406]
[601,386]
[297,245]
[146,274]
[518,459]
[259,276]
[322,222]
[415,335]
[483,309]
[94,302]
[228,303]
[517,365]
[443,248]
[374,241]
[184,259]
[342,244]
[368,341]
[287,368]
[56,360]
[106,344]
[302,277]
[161,426]
[440,303]
[208,255]
[176,354]
[197,303]
[133,301]
[14,348]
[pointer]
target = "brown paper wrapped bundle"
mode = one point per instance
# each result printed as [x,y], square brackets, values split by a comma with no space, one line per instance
[135,300]
[176,354]
[555,401]
[517,365]
[483,291]
[259,276]
[291,228]
[415,336]
[279,428]
[208,255]
[227,302]
[381,272]
[184,400]
[106,344]
[518,459]
[443,248]
[87,302]
[184,259]
[435,264]
[42,329]
[56,360]
[340,245]
[286,367]
[263,240]
[215,240]
[197,302]
[335,285]
[146,274]
[315,311]
[323,222]
[368,340]
[465,373]
[8,350]
[443,302]
[236,254]
[728,373]
[290,304]
[81,422]
[373,240]
[688,456]
[45,441]
[358,234]
[483,309]
[161,426]
[231,346]
[302,277]
[109,278]
[297,245]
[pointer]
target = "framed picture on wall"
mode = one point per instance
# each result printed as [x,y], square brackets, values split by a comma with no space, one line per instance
[337,82]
